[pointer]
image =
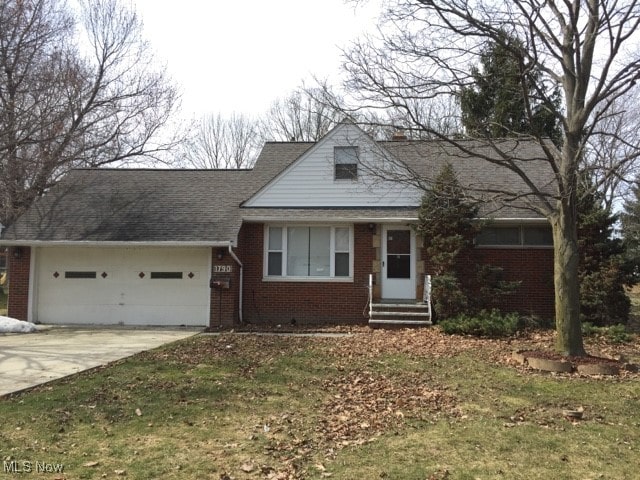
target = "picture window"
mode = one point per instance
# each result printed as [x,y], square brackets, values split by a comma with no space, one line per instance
[303,251]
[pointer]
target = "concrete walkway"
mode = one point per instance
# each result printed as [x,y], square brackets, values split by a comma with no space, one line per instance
[27,360]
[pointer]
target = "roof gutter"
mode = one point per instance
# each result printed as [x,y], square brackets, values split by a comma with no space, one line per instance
[94,243]
[372,219]
[237,260]
[329,219]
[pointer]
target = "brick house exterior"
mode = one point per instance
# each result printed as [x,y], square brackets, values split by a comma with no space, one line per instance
[295,240]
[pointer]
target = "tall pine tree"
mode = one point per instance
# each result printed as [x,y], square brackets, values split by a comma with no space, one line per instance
[630,220]
[604,271]
[497,106]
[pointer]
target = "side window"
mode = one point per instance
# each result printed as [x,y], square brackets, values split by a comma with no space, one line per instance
[499,236]
[346,163]
[539,236]
[525,235]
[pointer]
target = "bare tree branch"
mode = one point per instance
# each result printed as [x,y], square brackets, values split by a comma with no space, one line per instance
[222,142]
[425,49]
[74,94]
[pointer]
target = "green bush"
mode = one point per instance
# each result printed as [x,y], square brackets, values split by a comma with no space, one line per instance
[485,324]
[615,333]
[534,322]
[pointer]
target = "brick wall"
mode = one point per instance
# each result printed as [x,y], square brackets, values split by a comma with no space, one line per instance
[224,302]
[19,269]
[281,302]
[274,302]
[533,267]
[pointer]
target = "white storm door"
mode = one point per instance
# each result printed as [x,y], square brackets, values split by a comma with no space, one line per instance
[398,263]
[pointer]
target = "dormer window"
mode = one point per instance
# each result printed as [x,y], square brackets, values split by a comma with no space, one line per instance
[346,163]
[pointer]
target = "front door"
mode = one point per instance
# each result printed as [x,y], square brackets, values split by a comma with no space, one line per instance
[398,263]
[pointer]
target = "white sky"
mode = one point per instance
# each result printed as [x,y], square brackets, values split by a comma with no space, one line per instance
[239,56]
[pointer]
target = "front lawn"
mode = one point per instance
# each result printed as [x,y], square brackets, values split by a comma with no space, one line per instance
[404,404]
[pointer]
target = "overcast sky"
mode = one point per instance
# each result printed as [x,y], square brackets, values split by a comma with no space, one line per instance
[239,56]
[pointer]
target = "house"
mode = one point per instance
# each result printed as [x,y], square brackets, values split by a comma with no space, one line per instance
[310,234]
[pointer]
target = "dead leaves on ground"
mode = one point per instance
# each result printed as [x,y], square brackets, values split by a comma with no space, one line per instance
[364,398]
[365,404]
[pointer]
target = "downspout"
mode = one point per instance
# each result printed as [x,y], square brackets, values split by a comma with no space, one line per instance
[237,260]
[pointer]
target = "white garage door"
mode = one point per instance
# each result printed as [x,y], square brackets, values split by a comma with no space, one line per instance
[127,286]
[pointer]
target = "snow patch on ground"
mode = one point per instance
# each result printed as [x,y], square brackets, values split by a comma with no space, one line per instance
[12,325]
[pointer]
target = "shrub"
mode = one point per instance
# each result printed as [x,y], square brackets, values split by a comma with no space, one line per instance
[485,324]
[534,322]
[447,296]
[615,333]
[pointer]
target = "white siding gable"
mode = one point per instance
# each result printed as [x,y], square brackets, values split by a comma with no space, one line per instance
[309,181]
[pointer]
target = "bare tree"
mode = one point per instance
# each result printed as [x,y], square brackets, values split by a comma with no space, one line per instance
[222,142]
[73,93]
[586,47]
[300,117]
[613,148]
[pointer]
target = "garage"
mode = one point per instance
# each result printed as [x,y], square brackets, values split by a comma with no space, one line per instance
[122,286]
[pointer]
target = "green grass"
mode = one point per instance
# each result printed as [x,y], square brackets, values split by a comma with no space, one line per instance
[219,405]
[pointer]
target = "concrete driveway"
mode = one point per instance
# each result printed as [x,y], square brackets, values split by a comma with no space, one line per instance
[31,359]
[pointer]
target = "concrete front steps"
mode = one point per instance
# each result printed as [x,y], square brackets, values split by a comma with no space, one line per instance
[401,314]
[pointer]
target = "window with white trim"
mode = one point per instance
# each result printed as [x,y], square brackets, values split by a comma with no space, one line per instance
[308,251]
[346,163]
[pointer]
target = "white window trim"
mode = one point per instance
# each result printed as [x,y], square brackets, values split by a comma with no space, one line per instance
[332,251]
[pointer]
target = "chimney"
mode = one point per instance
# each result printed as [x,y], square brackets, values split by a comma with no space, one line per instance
[398,136]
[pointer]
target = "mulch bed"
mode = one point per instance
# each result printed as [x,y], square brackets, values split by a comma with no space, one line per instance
[586,365]
[586,360]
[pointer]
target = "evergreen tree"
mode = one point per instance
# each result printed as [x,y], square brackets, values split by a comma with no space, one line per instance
[630,220]
[604,270]
[446,224]
[495,105]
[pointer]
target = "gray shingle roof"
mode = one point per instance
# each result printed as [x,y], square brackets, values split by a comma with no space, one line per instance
[137,206]
[143,205]
[479,176]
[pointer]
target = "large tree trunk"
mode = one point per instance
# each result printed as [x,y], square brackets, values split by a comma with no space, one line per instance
[565,276]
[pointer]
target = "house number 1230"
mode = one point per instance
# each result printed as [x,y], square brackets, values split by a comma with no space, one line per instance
[222,269]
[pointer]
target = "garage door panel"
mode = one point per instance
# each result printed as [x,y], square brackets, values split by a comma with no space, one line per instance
[123,290]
